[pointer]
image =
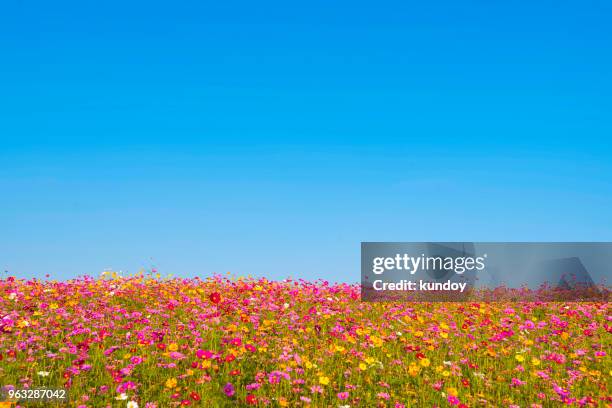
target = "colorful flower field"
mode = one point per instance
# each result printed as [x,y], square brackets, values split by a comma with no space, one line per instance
[143,341]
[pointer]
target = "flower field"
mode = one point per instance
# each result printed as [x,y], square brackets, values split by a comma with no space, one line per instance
[142,341]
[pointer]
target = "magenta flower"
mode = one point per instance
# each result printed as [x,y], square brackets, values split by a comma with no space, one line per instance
[562,392]
[229,390]
[453,400]
[343,395]
[204,354]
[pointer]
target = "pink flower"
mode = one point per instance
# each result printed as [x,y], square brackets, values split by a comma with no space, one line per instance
[562,392]
[316,389]
[383,395]
[343,395]
[453,400]
[253,386]
[175,355]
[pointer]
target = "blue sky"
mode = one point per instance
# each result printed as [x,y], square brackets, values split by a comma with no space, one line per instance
[272,138]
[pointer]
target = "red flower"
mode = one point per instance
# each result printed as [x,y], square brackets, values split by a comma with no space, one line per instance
[215,297]
[185,402]
[161,346]
[229,358]
[251,400]
[194,396]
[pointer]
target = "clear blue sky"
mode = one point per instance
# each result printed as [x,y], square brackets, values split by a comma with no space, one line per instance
[272,138]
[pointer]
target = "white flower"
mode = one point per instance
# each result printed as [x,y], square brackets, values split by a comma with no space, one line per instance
[132,404]
[13,296]
[121,397]
[43,373]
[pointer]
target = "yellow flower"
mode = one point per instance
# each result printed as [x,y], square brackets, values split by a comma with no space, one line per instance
[173,347]
[520,358]
[535,361]
[413,370]
[452,391]
[323,380]
[171,383]
[23,323]
[362,366]
[425,362]
[376,341]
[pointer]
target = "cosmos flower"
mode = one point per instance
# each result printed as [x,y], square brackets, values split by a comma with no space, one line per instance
[294,343]
[215,297]
[229,390]
[343,395]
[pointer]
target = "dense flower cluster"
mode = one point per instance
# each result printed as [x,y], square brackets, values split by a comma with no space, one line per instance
[147,342]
